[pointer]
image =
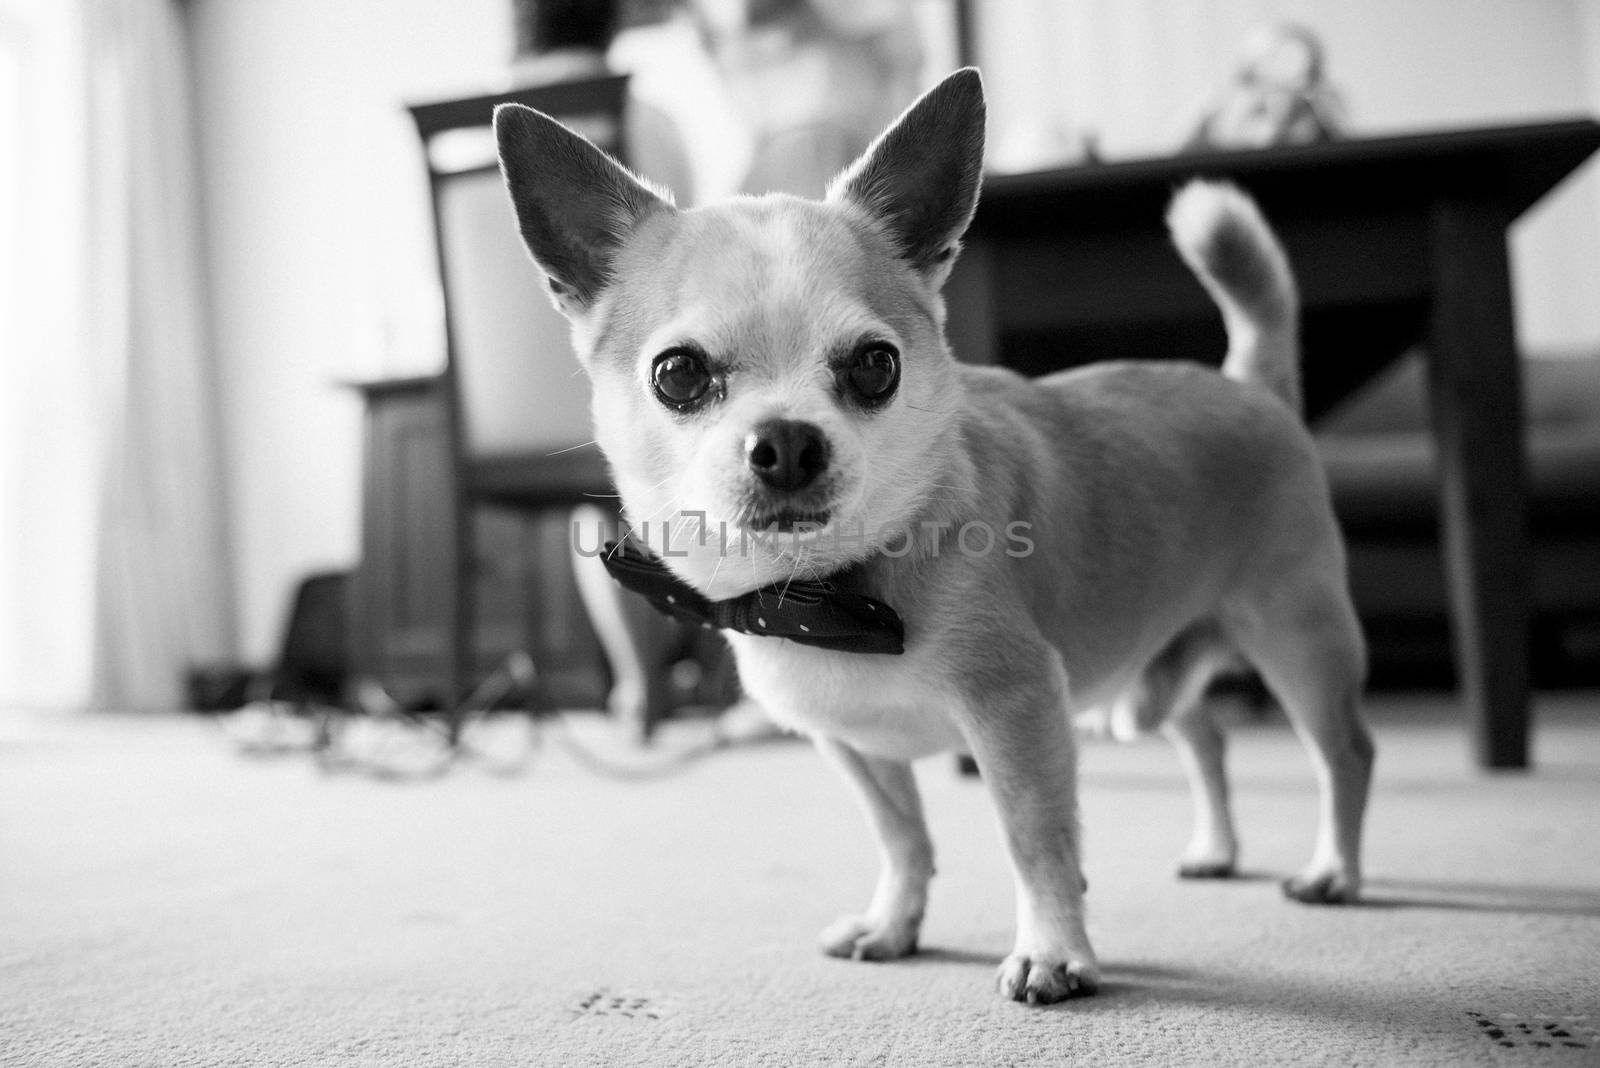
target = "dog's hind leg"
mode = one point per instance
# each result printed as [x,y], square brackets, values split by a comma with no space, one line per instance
[1307,644]
[888,793]
[1177,679]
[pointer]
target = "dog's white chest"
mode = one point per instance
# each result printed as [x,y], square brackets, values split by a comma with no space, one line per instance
[899,707]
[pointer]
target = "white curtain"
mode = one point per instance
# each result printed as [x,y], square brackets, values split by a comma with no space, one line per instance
[113,567]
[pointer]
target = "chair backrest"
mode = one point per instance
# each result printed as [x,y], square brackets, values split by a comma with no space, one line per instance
[516,387]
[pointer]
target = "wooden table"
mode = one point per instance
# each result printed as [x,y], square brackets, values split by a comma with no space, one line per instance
[1395,241]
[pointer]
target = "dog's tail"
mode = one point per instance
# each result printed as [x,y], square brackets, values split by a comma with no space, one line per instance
[1225,241]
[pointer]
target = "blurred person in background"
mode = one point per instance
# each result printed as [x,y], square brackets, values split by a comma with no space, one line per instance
[814,80]
[1279,95]
[564,40]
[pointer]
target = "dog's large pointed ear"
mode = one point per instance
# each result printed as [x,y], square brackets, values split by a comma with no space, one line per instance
[575,205]
[921,177]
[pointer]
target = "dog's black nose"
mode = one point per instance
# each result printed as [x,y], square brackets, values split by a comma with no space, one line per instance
[786,454]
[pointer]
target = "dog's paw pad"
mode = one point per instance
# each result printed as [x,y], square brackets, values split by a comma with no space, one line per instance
[860,938]
[1323,888]
[1206,869]
[1043,981]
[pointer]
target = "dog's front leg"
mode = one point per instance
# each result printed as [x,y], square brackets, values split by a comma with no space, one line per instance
[888,792]
[1023,743]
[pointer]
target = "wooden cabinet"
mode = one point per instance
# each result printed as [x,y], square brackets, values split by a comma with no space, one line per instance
[401,600]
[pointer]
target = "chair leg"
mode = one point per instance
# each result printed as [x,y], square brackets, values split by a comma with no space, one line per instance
[462,617]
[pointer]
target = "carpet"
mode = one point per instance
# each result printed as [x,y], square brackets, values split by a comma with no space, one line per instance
[167,902]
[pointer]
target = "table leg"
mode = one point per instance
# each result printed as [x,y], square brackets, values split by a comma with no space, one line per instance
[1475,388]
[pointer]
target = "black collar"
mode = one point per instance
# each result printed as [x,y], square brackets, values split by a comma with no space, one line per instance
[820,612]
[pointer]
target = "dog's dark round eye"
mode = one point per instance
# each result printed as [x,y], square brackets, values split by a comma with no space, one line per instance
[680,378]
[872,373]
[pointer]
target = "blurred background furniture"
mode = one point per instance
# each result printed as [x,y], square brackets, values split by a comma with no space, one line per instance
[471,475]
[476,479]
[403,589]
[519,471]
[1395,241]
[1384,472]
[517,403]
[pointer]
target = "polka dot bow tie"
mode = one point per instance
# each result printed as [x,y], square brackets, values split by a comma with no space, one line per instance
[818,612]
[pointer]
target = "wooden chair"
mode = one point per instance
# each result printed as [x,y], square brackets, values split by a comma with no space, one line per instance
[510,358]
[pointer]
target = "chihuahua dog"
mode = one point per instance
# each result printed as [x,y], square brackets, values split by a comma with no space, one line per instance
[778,365]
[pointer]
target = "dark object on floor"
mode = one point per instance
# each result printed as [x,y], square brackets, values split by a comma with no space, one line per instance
[1384,473]
[314,663]
[219,687]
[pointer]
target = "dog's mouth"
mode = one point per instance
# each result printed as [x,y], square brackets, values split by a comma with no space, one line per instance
[789,520]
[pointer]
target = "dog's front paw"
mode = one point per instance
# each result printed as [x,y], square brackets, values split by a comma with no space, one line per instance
[1043,980]
[863,938]
[1320,886]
